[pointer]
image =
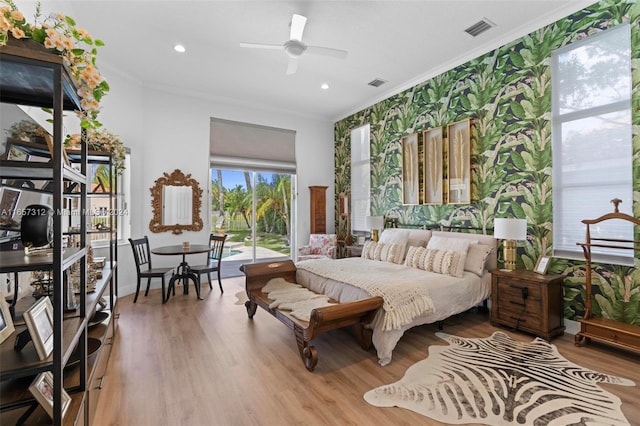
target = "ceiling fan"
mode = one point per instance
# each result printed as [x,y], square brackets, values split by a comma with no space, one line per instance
[294,47]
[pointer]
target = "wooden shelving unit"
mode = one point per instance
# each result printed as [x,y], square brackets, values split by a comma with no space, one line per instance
[46,82]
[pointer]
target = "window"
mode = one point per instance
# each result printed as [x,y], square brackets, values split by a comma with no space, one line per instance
[592,150]
[360,178]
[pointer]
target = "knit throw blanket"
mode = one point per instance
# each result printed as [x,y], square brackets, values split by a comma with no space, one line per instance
[405,298]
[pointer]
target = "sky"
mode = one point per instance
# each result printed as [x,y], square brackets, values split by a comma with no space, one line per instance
[232,178]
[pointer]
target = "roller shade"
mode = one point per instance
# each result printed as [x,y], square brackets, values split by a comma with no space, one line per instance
[246,146]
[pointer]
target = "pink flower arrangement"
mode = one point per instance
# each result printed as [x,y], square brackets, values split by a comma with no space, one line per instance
[78,48]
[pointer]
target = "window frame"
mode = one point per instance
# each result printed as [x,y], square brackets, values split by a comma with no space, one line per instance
[559,119]
[360,191]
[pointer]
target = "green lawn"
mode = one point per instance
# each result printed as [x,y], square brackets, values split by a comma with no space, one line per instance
[271,241]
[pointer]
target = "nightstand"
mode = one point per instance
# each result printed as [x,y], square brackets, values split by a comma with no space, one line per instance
[354,251]
[528,302]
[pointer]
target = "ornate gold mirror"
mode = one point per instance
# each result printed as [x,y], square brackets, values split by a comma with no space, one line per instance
[176,199]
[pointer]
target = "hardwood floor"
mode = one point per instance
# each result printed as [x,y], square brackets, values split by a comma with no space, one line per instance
[192,362]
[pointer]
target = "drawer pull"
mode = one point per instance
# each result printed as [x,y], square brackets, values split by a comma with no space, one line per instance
[523,290]
[516,303]
[100,384]
[518,319]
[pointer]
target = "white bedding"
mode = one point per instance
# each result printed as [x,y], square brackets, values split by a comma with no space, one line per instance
[448,294]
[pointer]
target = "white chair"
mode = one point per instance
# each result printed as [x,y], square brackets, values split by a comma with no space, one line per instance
[321,246]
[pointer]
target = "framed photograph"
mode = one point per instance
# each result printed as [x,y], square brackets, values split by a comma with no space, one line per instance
[542,266]
[459,166]
[410,170]
[433,173]
[8,201]
[42,390]
[39,320]
[6,323]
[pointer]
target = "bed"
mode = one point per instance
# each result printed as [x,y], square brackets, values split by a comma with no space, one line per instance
[420,262]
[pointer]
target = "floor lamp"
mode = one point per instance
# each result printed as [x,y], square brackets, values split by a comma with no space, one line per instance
[510,230]
[374,223]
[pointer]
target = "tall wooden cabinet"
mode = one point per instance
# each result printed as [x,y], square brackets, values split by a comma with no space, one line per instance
[46,82]
[318,209]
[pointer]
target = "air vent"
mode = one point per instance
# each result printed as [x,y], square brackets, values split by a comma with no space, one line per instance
[377,82]
[479,27]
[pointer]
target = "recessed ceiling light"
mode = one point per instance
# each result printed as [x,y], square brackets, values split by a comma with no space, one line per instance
[179,48]
[324,86]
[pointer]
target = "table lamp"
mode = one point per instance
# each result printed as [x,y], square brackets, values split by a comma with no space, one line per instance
[510,230]
[374,223]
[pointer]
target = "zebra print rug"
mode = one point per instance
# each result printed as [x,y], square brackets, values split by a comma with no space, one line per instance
[500,381]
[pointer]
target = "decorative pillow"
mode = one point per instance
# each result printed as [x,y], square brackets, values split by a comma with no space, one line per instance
[446,262]
[367,250]
[451,244]
[413,256]
[476,258]
[393,253]
[396,253]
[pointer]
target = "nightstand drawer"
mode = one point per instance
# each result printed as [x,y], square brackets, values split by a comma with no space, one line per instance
[516,290]
[520,316]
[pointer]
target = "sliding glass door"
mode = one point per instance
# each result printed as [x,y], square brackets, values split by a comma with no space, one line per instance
[254,209]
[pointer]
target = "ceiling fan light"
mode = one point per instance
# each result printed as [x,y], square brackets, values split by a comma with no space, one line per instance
[294,48]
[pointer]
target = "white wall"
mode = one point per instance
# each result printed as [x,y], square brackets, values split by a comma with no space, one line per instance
[166,131]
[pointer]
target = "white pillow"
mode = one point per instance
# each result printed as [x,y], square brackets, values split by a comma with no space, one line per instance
[477,258]
[450,244]
[394,235]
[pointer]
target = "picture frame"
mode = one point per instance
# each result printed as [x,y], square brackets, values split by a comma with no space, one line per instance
[542,265]
[433,171]
[459,164]
[6,322]
[39,321]
[42,389]
[410,169]
[9,198]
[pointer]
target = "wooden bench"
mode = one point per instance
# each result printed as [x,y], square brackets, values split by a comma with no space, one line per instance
[358,313]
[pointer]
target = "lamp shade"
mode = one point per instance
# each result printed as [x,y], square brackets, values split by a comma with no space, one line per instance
[510,229]
[374,222]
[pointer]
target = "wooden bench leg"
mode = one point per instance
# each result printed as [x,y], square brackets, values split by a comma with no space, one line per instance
[251,308]
[308,353]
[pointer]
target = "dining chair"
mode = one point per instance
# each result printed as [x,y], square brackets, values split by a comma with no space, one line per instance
[214,260]
[142,256]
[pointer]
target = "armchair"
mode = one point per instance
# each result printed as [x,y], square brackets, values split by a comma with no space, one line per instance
[320,246]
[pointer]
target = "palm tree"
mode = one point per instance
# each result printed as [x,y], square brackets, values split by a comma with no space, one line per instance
[102,177]
[273,198]
[238,200]
[220,191]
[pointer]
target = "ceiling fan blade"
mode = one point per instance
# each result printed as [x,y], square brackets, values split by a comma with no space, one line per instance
[327,51]
[262,46]
[297,27]
[292,66]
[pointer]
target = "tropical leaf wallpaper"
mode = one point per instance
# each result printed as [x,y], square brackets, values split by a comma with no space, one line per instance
[507,93]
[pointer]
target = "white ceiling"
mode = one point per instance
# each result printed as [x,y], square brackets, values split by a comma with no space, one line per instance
[403,42]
